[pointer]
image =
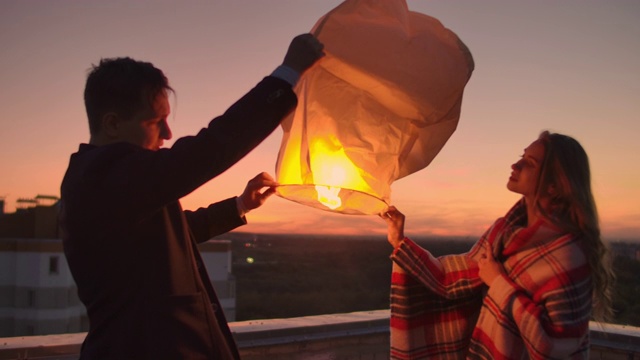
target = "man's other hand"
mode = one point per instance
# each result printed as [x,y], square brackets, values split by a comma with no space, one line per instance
[303,52]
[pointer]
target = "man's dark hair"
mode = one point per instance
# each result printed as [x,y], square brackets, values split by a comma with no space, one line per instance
[123,86]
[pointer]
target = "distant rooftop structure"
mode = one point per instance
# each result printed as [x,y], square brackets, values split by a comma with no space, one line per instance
[36,218]
[39,200]
[26,203]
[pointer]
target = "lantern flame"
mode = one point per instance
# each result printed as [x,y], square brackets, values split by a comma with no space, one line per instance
[328,196]
[332,171]
[335,174]
[331,181]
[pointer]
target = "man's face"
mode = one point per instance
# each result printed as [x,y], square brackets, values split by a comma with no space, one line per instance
[148,128]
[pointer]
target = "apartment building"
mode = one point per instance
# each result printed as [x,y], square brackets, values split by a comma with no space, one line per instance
[37,293]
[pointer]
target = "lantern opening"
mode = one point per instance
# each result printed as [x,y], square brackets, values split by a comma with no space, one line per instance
[331,182]
[333,198]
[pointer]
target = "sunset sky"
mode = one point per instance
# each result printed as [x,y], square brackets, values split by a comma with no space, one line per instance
[568,66]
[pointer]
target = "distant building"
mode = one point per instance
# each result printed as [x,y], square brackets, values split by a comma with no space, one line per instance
[216,255]
[37,293]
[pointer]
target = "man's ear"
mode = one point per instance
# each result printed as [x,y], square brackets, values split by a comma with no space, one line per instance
[110,122]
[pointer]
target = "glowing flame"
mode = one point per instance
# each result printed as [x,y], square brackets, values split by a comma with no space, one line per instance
[332,170]
[331,173]
[328,196]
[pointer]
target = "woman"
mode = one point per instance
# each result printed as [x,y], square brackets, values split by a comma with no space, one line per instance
[527,288]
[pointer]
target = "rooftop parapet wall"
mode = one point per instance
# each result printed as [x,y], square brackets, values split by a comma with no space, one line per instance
[362,335]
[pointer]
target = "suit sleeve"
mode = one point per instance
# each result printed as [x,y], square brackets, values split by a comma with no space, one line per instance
[139,181]
[216,219]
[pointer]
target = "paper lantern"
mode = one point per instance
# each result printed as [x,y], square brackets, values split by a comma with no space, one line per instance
[379,106]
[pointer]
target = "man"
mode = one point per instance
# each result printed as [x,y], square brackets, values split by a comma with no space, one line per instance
[130,246]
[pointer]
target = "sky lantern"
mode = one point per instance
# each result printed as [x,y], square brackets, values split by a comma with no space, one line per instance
[379,106]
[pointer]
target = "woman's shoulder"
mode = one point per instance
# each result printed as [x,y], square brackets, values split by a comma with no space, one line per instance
[565,248]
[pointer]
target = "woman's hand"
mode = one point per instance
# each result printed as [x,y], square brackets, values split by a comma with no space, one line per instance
[489,268]
[395,225]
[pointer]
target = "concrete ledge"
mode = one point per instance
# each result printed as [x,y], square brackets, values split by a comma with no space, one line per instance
[614,339]
[357,335]
[283,331]
[59,347]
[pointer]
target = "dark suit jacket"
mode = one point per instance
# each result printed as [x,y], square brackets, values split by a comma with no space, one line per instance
[131,248]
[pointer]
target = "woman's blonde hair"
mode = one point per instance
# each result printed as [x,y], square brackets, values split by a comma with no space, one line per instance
[565,181]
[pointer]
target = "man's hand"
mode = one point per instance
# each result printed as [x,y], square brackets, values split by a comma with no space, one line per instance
[395,225]
[489,268]
[303,52]
[253,196]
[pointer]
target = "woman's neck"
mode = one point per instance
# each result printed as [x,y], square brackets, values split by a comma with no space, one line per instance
[533,211]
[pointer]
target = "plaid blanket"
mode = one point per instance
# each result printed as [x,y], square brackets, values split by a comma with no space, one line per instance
[440,309]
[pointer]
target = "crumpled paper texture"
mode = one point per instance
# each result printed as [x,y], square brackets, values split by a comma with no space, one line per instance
[386,97]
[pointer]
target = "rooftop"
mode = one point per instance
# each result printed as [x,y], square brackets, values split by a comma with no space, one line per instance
[357,335]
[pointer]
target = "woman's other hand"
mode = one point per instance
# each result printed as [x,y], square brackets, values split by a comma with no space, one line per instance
[489,268]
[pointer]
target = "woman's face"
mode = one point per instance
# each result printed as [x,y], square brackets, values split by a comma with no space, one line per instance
[526,171]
